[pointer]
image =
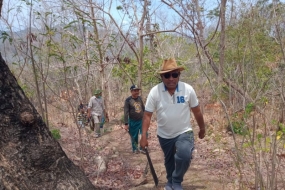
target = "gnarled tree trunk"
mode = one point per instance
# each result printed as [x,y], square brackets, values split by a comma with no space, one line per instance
[29,156]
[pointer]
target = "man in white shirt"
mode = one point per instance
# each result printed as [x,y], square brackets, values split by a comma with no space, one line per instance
[96,109]
[172,100]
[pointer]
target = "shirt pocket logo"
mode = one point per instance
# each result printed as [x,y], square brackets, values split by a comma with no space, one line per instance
[180,99]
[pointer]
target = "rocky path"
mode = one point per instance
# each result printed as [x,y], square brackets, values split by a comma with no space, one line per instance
[110,164]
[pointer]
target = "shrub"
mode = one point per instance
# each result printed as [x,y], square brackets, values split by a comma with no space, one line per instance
[56,134]
[239,128]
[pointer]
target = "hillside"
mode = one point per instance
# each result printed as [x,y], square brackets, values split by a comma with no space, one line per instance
[212,166]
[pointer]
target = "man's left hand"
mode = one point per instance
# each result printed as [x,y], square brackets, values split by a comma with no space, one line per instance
[202,133]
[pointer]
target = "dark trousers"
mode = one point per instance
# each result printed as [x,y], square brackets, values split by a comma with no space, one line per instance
[177,156]
[135,127]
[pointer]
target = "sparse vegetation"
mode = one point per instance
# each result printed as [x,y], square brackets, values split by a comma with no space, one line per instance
[233,52]
[56,134]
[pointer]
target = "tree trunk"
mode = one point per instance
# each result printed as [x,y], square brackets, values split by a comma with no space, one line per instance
[30,158]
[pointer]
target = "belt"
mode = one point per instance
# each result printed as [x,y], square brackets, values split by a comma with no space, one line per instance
[189,132]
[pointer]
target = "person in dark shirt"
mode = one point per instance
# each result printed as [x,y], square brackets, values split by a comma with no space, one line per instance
[81,118]
[80,107]
[133,115]
[82,114]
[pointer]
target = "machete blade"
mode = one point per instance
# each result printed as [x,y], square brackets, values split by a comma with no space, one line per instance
[154,176]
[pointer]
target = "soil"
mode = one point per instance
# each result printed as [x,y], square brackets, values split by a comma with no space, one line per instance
[212,166]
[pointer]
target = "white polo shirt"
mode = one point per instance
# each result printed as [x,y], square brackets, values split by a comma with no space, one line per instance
[173,112]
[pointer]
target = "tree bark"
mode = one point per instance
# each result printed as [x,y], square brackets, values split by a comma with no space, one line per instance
[1,3]
[30,158]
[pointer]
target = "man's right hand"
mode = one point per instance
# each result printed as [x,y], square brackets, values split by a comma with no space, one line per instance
[126,128]
[145,126]
[143,141]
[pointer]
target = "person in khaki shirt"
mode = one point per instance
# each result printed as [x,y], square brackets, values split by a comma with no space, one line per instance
[96,110]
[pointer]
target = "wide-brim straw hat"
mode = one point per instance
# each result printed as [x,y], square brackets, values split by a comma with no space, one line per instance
[170,65]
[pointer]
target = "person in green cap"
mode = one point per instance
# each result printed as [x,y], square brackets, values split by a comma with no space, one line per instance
[96,110]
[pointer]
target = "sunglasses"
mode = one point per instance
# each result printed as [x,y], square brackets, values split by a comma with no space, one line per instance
[167,75]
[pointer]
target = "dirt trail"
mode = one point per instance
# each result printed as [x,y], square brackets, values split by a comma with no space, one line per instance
[212,167]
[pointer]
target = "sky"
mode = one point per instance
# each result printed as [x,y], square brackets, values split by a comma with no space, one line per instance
[15,13]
